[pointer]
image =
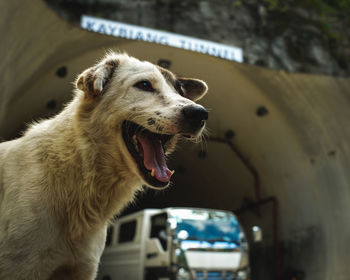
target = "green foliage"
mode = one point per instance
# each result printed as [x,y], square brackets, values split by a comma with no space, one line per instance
[274,4]
[338,3]
[319,6]
[330,12]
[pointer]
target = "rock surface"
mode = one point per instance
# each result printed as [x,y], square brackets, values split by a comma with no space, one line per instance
[291,37]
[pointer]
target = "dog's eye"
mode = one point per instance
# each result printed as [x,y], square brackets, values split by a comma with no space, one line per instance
[144,85]
[178,88]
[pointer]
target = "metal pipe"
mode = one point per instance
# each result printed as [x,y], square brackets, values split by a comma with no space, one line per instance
[275,219]
[244,160]
[258,201]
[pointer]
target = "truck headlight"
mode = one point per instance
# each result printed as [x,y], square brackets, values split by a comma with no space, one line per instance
[183,274]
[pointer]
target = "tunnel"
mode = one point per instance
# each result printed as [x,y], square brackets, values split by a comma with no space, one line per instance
[276,152]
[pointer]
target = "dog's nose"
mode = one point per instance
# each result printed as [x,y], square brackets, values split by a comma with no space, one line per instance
[195,115]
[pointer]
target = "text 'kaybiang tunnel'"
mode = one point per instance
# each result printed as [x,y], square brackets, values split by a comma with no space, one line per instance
[277,149]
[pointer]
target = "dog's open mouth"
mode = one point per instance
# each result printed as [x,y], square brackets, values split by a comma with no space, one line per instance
[147,149]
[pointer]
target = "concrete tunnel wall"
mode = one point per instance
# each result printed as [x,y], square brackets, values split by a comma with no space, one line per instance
[299,148]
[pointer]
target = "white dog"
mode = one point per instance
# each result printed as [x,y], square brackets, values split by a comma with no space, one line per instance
[66,177]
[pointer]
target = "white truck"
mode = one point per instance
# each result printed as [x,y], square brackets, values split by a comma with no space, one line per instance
[175,244]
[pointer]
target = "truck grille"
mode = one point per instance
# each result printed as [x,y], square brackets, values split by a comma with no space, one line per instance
[214,275]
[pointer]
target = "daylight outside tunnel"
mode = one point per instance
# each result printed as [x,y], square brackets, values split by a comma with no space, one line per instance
[277,150]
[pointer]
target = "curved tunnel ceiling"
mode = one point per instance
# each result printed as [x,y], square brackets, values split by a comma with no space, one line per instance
[298,144]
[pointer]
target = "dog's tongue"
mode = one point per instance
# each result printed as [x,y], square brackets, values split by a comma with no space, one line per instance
[153,156]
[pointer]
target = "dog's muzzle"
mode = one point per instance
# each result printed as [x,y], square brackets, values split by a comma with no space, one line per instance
[148,150]
[194,116]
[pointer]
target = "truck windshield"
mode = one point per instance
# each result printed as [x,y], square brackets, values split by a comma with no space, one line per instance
[206,229]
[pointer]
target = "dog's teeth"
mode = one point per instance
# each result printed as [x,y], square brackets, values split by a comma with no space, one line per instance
[134,139]
[172,172]
[153,172]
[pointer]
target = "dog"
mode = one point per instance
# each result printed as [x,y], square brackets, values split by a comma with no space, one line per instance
[66,177]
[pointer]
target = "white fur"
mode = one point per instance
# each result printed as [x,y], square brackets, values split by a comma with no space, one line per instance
[65,178]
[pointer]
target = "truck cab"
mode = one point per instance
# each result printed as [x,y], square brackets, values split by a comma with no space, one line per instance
[175,244]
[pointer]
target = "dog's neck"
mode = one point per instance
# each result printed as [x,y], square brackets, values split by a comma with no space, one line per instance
[95,184]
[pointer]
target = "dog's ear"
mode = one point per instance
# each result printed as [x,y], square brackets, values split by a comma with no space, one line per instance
[93,80]
[194,89]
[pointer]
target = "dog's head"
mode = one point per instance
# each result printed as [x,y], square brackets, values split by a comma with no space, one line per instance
[146,108]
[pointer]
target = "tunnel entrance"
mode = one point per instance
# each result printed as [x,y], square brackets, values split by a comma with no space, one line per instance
[249,109]
[258,216]
[292,128]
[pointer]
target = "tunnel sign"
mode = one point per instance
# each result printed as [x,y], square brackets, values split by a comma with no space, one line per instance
[134,32]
